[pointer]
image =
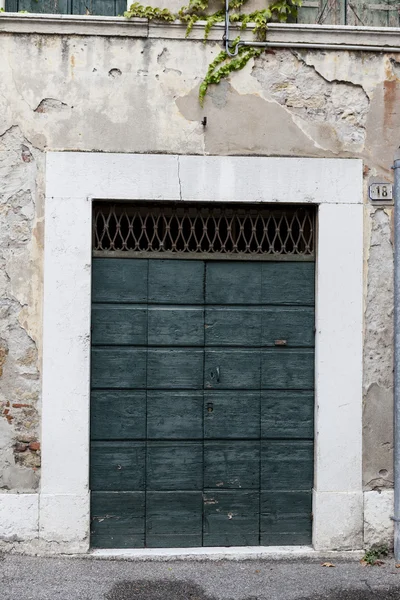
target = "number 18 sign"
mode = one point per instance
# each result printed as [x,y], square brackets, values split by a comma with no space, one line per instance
[382,192]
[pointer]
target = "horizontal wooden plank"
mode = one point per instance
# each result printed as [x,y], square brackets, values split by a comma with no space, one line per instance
[174,519]
[174,540]
[232,369]
[117,519]
[285,518]
[232,465]
[117,466]
[233,283]
[171,368]
[231,518]
[117,415]
[287,465]
[119,280]
[228,326]
[174,466]
[176,282]
[287,368]
[118,367]
[292,325]
[119,325]
[174,414]
[287,414]
[288,283]
[177,326]
[260,283]
[259,326]
[231,414]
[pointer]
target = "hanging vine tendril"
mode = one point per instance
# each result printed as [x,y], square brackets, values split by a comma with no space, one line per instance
[279,11]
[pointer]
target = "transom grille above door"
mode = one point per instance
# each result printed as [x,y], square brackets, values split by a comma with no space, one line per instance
[177,230]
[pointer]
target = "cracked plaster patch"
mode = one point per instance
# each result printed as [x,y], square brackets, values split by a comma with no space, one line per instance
[19,306]
[378,356]
[51,105]
[366,70]
[333,114]
[261,126]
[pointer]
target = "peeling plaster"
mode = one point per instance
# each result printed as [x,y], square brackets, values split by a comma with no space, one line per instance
[135,95]
[331,113]
[20,307]
[378,356]
[50,104]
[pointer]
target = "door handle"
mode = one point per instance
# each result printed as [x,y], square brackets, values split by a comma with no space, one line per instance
[215,374]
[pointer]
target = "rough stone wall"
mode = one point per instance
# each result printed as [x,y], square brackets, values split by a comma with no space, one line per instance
[378,355]
[20,298]
[135,95]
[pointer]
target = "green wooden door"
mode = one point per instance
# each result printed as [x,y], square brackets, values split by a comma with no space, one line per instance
[202,403]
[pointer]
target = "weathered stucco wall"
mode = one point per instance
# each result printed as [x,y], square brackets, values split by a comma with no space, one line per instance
[20,317]
[106,94]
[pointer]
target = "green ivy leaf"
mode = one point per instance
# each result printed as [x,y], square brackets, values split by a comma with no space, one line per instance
[197,10]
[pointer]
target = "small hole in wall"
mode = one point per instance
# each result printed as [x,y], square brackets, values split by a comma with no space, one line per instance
[383,473]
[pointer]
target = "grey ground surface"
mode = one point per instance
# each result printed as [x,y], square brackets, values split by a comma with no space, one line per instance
[26,578]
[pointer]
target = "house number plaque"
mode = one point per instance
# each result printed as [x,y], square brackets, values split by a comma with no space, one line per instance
[382,192]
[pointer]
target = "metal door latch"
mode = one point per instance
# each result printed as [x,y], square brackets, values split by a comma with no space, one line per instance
[217,374]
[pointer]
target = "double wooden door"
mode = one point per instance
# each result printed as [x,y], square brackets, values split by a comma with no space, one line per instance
[202,403]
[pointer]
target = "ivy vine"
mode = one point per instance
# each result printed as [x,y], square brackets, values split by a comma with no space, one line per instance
[223,65]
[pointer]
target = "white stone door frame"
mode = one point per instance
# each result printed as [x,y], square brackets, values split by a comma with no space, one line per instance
[73,180]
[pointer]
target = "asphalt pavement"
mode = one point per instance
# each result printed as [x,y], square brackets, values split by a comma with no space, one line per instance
[38,578]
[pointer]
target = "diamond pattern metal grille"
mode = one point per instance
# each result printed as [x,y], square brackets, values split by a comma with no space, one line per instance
[217,231]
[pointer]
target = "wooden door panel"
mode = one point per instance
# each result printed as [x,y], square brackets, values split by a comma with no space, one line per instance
[174,466]
[173,368]
[231,414]
[259,326]
[117,519]
[231,518]
[287,465]
[174,519]
[118,367]
[117,466]
[288,283]
[292,325]
[202,403]
[233,283]
[232,369]
[118,415]
[117,325]
[285,518]
[174,414]
[176,282]
[287,368]
[116,280]
[233,326]
[232,465]
[287,414]
[176,326]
